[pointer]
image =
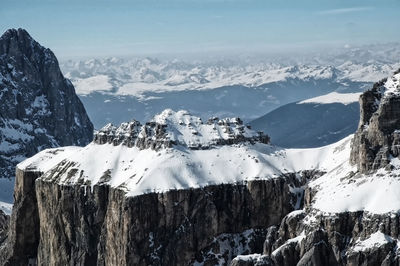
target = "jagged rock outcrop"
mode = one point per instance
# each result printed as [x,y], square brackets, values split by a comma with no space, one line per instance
[311,238]
[161,132]
[366,235]
[378,137]
[39,108]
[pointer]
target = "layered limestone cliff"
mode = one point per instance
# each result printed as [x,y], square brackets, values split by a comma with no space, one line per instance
[79,225]
[377,139]
[351,214]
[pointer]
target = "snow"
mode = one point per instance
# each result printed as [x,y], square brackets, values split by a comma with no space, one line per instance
[138,76]
[140,171]
[375,240]
[366,72]
[191,131]
[296,239]
[143,171]
[342,189]
[46,159]
[42,104]
[12,131]
[249,258]
[6,207]
[334,97]
[392,85]
[96,83]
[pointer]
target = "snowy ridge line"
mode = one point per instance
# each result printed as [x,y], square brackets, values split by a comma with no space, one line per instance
[179,128]
[334,97]
[139,171]
[138,76]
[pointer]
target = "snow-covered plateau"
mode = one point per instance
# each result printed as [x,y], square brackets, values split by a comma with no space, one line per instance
[139,171]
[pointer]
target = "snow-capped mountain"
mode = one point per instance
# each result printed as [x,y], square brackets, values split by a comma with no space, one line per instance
[181,191]
[38,106]
[123,88]
[313,122]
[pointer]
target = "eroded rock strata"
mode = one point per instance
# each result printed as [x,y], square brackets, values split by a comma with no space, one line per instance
[77,225]
[378,137]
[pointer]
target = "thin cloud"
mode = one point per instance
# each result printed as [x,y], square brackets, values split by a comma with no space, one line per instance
[344,10]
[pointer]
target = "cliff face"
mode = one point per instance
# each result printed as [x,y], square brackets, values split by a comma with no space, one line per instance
[345,220]
[77,225]
[149,195]
[39,108]
[377,138]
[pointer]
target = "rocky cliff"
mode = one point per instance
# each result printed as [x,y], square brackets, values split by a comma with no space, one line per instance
[350,215]
[39,108]
[82,217]
[377,138]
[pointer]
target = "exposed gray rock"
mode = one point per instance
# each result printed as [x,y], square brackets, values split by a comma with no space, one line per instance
[317,239]
[156,135]
[377,137]
[39,108]
[4,222]
[77,225]
[23,235]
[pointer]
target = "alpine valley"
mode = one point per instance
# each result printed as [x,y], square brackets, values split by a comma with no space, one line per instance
[176,188]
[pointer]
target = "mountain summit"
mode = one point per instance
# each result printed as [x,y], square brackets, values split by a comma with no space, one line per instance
[39,108]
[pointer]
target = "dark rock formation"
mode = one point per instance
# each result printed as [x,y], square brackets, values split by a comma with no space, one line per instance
[77,225]
[4,222]
[39,108]
[377,137]
[330,240]
[23,236]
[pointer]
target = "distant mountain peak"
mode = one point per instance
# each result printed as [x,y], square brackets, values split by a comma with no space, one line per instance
[179,128]
[18,42]
[39,108]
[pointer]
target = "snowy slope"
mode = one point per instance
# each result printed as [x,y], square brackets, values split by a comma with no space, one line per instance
[341,190]
[139,171]
[345,189]
[334,97]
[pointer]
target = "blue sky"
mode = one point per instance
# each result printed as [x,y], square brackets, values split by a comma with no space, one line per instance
[121,27]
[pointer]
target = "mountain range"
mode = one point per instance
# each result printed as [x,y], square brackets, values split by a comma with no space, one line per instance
[179,189]
[116,89]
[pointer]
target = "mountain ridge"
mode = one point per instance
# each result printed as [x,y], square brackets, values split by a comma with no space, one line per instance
[39,107]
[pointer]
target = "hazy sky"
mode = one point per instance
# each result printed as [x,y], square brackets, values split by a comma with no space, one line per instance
[118,27]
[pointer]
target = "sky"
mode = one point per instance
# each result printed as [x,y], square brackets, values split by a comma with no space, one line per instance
[149,27]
